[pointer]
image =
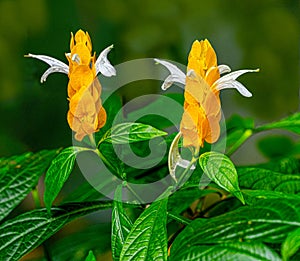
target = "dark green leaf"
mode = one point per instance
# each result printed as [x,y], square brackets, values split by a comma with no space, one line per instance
[237,122]
[20,235]
[276,146]
[113,107]
[238,129]
[75,246]
[267,221]
[129,132]
[291,123]
[157,114]
[58,173]
[84,192]
[288,165]
[263,179]
[222,206]
[19,175]
[148,238]
[221,170]
[227,251]
[291,244]
[90,256]
[182,199]
[252,196]
[121,225]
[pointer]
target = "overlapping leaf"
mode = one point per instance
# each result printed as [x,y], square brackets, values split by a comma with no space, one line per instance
[182,199]
[266,221]
[20,235]
[291,244]
[252,196]
[147,239]
[264,179]
[58,173]
[227,251]
[19,175]
[121,225]
[75,246]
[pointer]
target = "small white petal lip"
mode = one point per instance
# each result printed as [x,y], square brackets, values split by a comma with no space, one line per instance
[223,68]
[55,65]
[228,81]
[76,58]
[103,65]
[176,75]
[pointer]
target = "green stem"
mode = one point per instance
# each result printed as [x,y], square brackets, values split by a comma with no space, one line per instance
[247,134]
[179,219]
[92,140]
[104,159]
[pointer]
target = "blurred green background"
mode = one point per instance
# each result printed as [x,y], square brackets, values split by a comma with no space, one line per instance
[245,34]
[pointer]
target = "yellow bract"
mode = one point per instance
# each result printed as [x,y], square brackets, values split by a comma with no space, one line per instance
[202,109]
[86,114]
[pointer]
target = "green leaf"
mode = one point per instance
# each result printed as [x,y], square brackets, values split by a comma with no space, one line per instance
[157,114]
[289,165]
[19,175]
[238,130]
[182,199]
[276,146]
[291,123]
[237,122]
[266,221]
[25,232]
[121,225]
[263,179]
[221,170]
[90,256]
[129,132]
[291,244]
[58,172]
[252,196]
[76,245]
[113,105]
[227,251]
[147,239]
[84,192]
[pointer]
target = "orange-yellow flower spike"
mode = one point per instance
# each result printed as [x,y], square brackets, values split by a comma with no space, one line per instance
[202,107]
[86,114]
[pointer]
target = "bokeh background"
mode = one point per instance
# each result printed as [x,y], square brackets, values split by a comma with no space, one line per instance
[245,34]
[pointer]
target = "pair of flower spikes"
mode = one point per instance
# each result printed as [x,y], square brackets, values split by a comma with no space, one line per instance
[202,109]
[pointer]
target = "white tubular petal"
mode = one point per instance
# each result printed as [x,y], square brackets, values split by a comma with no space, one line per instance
[223,68]
[168,82]
[235,85]
[228,81]
[103,65]
[52,62]
[176,75]
[50,70]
